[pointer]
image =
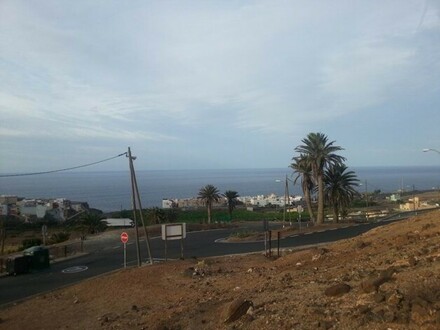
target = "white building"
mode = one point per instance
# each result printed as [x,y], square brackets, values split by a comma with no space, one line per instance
[169,203]
[32,207]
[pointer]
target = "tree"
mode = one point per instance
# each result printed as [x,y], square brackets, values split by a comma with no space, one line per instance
[320,154]
[340,188]
[90,223]
[209,194]
[303,170]
[231,197]
[156,215]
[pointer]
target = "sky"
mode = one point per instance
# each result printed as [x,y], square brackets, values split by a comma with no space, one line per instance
[216,84]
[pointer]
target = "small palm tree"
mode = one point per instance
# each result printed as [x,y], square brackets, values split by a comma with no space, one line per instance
[340,188]
[91,223]
[209,194]
[303,170]
[231,197]
[320,154]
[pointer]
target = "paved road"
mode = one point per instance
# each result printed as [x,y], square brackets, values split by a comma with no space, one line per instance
[109,256]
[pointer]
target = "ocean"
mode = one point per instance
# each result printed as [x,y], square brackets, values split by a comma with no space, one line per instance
[111,191]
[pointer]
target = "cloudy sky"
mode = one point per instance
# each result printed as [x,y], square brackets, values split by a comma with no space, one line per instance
[216,84]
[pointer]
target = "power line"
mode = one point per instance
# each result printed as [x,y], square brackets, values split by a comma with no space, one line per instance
[63,169]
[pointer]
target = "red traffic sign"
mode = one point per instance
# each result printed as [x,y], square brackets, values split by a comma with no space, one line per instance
[124,237]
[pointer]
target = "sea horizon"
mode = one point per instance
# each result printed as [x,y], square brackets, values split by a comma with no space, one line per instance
[110,190]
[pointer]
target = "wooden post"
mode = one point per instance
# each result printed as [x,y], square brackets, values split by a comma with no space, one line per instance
[270,243]
[265,243]
[278,244]
[147,240]
[133,198]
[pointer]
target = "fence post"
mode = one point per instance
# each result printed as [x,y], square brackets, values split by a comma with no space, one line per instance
[270,243]
[278,244]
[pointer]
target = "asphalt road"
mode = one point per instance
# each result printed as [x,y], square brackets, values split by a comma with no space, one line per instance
[108,256]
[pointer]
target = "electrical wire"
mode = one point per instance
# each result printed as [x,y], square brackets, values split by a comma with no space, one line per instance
[63,169]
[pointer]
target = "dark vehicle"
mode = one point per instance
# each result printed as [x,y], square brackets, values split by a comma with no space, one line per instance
[31,251]
[39,257]
[18,265]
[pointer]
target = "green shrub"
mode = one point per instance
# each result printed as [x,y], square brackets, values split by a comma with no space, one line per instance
[59,237]
[28,242]
[244,233]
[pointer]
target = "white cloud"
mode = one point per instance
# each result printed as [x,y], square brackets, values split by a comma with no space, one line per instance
[175,71]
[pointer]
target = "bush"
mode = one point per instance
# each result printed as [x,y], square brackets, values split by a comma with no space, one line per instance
[59,237]
[28,242]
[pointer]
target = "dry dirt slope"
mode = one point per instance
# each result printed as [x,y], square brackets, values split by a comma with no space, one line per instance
[388,278]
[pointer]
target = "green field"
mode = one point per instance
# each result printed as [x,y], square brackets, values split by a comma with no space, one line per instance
[198,216]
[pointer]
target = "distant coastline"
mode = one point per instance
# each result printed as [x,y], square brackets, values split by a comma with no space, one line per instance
[110,190]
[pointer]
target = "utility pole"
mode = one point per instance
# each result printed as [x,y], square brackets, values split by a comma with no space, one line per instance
[133,199]
[147,240]
[136,196]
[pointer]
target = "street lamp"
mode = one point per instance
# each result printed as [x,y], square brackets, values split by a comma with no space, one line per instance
[431,149]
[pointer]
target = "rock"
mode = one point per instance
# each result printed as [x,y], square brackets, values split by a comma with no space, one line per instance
[188,272]
[362,244]
[237,309]
[395,298]
[389,316]
[379,297]
[337,290]
[420,310]
[412,261]
[373,284]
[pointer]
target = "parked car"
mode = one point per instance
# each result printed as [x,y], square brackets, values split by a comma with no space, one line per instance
[34,249]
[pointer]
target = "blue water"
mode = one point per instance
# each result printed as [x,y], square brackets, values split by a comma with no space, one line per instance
[111,191]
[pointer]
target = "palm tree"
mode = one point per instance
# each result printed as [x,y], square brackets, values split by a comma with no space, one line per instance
[209,194]
[340,188]
[303,170]
[320,154]
[231,197]
[91,223]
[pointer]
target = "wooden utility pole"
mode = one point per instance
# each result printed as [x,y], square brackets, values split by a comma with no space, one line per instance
[133,199]
[136,198]
[147,239]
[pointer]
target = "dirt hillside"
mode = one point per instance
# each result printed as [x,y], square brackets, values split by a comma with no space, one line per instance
[388,278]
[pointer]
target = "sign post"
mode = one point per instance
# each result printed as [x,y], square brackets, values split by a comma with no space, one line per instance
[124,239]
[299,209]
[174,231]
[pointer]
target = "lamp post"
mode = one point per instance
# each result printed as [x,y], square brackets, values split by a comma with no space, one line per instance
[286,199]
[431,149]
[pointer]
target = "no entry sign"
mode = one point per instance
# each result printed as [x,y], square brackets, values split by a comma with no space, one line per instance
[124,237]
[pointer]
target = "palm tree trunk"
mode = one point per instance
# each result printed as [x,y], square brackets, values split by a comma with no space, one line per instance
[336,213]
[320,218]
[209,213]
[309,204]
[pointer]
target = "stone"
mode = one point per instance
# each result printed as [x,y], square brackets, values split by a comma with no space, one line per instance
[395,298]
[373,283]
[237,309]
[379,297]
[337,290]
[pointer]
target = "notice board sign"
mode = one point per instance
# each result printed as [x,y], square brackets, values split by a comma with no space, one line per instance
[173,231]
